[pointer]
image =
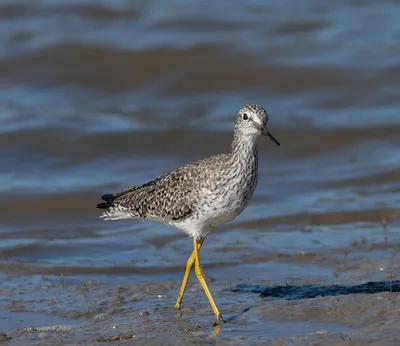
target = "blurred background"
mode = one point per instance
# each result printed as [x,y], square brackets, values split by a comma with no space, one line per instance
[99,95]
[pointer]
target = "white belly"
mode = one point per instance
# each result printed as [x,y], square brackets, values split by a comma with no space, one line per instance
[219,220]
[218,211]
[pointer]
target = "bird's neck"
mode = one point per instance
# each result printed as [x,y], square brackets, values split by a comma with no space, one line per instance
[243,145]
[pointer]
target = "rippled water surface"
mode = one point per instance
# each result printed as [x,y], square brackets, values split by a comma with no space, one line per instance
[96,96]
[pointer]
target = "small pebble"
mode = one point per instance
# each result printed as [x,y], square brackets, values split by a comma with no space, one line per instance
[56,328]
[118,300]
[117,338]
[4,337]
[100,317]
[44,335]
[321,332]
[187,310]
[136,298]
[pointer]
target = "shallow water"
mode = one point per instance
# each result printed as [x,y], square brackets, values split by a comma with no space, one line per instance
[96,96]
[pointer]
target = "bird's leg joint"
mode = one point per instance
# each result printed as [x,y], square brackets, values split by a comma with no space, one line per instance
[199,271]
[190,262]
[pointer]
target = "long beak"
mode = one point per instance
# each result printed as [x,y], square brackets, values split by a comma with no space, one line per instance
[266,133]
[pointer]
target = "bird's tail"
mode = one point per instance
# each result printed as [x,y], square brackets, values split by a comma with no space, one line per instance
[111,210]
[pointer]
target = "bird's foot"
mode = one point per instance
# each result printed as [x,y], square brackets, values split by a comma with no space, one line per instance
[220,321]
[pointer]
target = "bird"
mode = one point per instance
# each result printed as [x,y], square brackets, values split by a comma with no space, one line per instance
[201,196]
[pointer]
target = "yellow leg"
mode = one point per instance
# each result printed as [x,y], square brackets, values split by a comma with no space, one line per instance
[189,267]
[200,276]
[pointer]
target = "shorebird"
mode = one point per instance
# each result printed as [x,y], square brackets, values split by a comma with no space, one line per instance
[200,196]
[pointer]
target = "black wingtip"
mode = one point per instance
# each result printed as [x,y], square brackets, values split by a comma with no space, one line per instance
[105,205]
[108,198]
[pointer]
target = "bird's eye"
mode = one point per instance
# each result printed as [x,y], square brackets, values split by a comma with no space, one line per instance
[245,116]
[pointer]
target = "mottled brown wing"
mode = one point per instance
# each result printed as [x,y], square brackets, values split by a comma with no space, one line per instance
[166,197]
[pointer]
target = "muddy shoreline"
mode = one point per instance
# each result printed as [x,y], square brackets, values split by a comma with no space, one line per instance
[355,302]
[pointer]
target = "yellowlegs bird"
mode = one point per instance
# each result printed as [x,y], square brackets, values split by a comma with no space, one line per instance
[200,196]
